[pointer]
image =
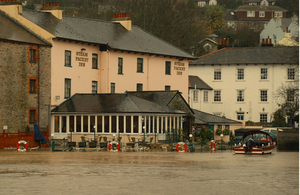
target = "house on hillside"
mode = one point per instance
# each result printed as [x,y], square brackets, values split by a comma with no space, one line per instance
[202,3]
[279,28]
[260,2]
[252,17]
[25,74]
[245,81]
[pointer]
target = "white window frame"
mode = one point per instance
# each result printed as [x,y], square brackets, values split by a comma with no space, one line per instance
[263,95]
[205,96]
[264,73]
[195,95]
[217,74]
[250,14]
[278,13]
[217,96]
[263,117]
[261,14]
[291,73]
[240,95]
[240,74]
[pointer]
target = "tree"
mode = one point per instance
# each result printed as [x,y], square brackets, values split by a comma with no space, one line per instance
[291,5]
[287,96]
[214,17]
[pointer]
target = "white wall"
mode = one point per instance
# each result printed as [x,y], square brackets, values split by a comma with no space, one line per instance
[252,84]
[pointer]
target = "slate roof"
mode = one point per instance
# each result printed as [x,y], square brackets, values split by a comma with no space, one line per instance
[104,33]
[203,118]
[248,55]
[259,8]
[230,16]
[162,98]
[198,82]
[12,30]
[111,103]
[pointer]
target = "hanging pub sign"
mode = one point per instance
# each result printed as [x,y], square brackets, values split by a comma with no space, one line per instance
[179,67]
[82,57]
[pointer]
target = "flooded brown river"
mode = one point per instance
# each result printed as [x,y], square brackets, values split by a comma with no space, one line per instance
[45,172]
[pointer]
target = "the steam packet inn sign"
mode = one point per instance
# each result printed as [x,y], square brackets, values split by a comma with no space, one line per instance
[82,57]
[127,114]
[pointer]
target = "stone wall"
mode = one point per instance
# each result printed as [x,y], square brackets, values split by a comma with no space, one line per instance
[288,140]
[15,99]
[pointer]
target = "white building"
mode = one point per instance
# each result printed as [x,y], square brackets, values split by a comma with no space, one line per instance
[244,81]
[278,28]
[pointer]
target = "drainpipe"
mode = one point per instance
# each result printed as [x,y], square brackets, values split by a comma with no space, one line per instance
[108,61]
[38,83]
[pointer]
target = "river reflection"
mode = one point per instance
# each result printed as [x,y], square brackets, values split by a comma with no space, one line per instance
[44,172]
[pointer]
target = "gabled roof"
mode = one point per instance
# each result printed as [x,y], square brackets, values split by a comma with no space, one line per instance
[260,8]
[11,30]
[195,81]
[98,32]
[203,118]
[230,16]
[111,103]
[164,98]
[249,55]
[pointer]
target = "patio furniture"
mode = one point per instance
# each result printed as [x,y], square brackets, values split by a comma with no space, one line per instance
[133,139]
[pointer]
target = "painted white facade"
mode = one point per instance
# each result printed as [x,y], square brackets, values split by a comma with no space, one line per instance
[153,77]
[251,108]
[276,29]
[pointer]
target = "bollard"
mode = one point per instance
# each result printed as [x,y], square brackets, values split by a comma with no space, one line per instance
[53,145]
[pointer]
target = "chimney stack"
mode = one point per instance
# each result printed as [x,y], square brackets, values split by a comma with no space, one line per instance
[53,8]
[123,19]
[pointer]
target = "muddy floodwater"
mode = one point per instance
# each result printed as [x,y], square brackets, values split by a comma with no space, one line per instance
[45,172]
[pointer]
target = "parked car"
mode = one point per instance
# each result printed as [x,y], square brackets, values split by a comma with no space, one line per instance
[272,132]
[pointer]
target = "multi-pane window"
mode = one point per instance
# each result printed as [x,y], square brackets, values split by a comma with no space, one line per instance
[250,13]
[217,74]
[32,85]
[195,95]
[94,87]
[32,55]
[263,73]
[240,95]
[240,116]
[67,58]
[263,118]
[112,88]
[120,65]
[261,14]
[67,88]
[217,95]
[240,74]
[263,95]
[139,87]
[205,96]
[140,65]
[32,115]
[167,88]
[95,61]
[291,73]
[278,14]
[168,68]
[290,95]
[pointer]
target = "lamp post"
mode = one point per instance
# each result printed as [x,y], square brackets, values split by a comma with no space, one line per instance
[221,140]
[190,142]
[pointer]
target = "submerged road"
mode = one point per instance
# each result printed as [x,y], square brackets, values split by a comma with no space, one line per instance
[44,172]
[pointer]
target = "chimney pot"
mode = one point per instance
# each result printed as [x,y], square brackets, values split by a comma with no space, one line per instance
[220,41]
[287,29]
[263,41]
[227,42]
[270,41]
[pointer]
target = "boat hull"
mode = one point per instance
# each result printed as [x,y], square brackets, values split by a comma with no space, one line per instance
[254,150]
